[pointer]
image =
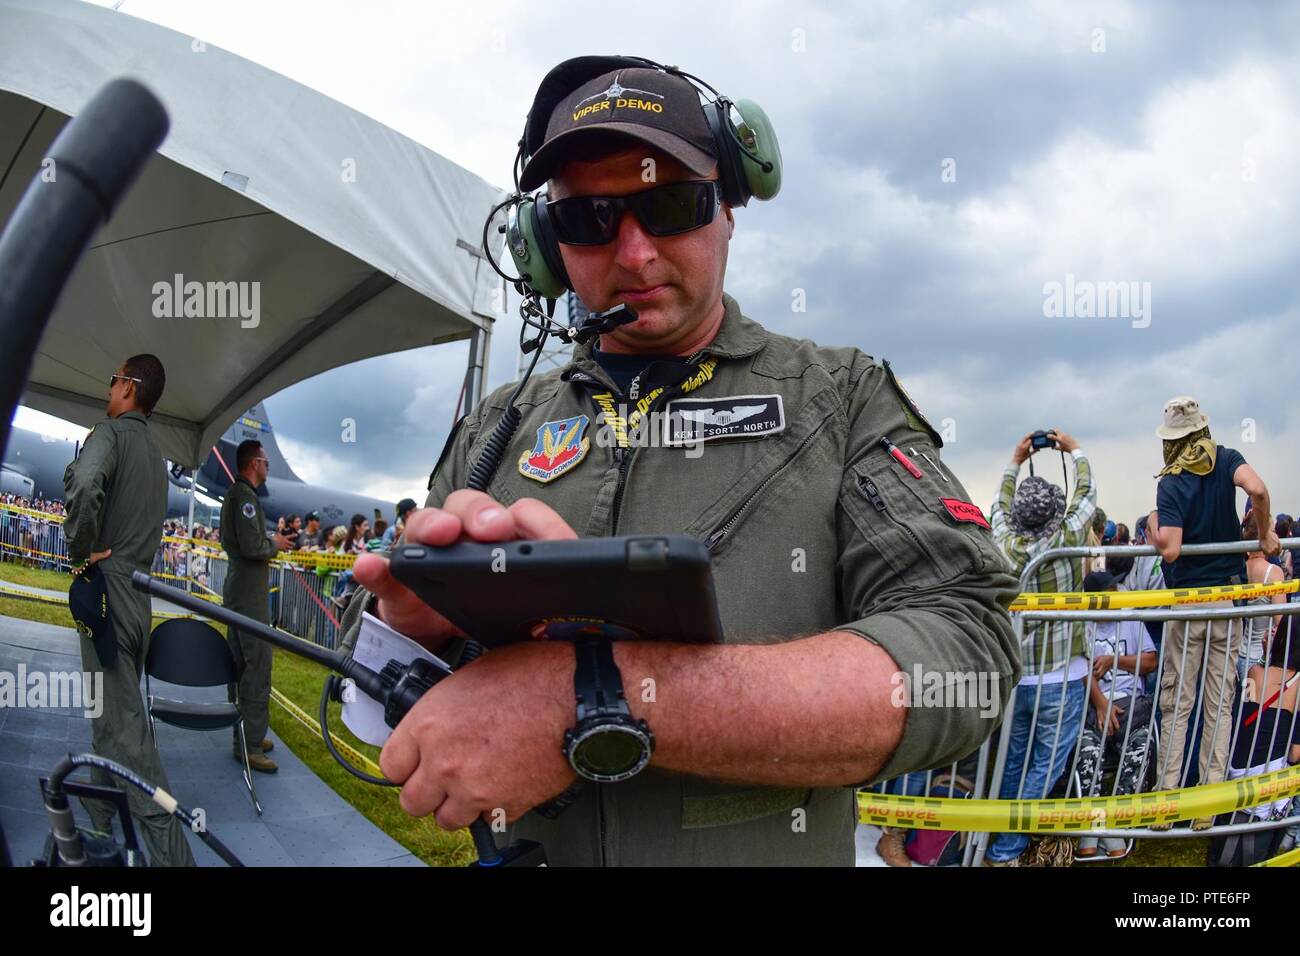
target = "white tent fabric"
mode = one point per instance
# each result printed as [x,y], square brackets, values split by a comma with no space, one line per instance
[351,239]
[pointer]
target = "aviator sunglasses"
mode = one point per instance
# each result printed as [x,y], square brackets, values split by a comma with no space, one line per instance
[667,210]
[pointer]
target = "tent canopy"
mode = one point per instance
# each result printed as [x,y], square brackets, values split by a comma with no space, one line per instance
[276,235]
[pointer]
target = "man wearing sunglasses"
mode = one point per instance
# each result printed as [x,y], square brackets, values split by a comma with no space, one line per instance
[116,494]
[247,590]
[839,567]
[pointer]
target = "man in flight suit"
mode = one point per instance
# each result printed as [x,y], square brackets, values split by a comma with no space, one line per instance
[249,550]
[841,577]
[116,494]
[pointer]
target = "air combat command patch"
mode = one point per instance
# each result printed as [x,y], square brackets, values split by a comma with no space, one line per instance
[560,446]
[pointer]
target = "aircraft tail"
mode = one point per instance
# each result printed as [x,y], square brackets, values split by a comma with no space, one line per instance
[256,424]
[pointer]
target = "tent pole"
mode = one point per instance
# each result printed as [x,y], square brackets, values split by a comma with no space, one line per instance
[189,534]
[479,345]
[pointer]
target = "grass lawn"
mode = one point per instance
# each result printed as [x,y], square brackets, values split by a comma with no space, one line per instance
[301,682]
[34,577]
[1178,852]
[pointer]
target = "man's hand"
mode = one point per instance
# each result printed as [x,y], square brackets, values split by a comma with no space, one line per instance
[95,556]
[282,542]
[1270,544]
[464,516]
[1066,443]
[1023,450]
[1111,725]
[487,739]
[1101,665]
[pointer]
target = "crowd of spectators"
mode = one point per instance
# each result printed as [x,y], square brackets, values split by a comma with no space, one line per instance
[36,541]
[1087,691]
[31,538]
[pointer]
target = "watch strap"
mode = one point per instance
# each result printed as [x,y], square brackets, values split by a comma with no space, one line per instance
[597,683]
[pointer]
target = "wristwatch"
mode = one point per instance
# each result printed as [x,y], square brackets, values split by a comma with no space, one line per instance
[606,744]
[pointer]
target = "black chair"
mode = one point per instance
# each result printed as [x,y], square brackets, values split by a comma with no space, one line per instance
[193,653]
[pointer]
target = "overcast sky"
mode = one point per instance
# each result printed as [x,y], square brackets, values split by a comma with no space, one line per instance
[944,163]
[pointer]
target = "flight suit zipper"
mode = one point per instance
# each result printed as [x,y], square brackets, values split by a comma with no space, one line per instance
[715,539]
[623,456]
[623,459]
[869,488]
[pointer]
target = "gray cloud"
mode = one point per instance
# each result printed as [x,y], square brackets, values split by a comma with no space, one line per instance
[1122,165]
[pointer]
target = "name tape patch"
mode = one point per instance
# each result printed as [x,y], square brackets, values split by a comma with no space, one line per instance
[691,420]
[965,511]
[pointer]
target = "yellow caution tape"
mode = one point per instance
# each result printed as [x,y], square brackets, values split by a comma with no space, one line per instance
[32,551]
[1080,813]
[297,713]
[1113,600]
[33,595]
[211,597]
[328,560]
[33,513]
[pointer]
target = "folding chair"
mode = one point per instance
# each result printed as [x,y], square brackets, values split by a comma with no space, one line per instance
[193,653]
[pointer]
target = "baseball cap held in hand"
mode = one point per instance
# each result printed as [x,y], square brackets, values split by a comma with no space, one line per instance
[88,602]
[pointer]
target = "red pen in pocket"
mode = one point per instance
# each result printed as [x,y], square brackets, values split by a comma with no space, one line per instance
[899,457]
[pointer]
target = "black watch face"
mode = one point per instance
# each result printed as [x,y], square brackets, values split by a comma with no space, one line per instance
[609,751]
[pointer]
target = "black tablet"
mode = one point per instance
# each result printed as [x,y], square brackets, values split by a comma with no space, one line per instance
[638,587]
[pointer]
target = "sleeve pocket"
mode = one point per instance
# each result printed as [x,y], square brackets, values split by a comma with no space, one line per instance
[926,529]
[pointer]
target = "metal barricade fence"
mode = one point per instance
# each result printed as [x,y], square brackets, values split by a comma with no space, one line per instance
[1154,752]
[302,584]
[33,537]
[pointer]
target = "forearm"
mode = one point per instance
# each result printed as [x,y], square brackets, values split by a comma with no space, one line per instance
[820,711]
[1160,539]
[1085,494]
[79,532]
[1259,505]
[1095,696]
[81,525]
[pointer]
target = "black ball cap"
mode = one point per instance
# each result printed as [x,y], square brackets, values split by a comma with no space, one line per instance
[88,602]
[1099,581]
[643,104]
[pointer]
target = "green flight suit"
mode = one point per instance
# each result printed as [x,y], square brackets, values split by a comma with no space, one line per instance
[812,525]
[116,494]
[247,590]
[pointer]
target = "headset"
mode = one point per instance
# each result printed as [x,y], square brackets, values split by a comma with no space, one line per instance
[749,166]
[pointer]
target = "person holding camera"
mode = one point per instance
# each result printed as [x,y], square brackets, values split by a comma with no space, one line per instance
[1027,521]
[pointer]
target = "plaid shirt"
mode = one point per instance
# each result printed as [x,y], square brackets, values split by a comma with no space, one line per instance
[1048,647]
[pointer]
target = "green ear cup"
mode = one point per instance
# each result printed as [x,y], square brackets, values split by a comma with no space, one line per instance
[756,132]
[527,238]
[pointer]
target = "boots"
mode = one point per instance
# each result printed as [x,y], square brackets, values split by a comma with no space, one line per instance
[258,761]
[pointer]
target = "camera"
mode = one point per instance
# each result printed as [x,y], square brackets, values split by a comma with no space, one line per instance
[1042,439]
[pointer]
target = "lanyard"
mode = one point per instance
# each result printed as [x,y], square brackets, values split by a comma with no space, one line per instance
[621,425]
